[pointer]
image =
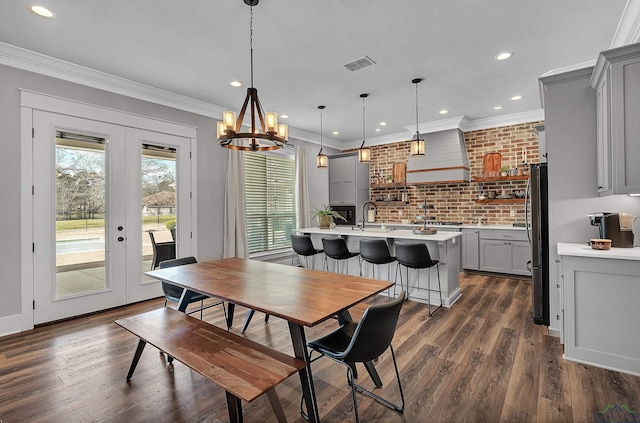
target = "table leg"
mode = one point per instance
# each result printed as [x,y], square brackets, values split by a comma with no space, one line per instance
[136,358]
[234,404]
[306,379]
[185,299]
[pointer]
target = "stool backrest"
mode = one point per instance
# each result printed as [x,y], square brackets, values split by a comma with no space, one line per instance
[375,251]
[302,245]
[414,255]
[336,248]
[171,291]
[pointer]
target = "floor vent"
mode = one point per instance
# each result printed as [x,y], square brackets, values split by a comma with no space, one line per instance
[360,63]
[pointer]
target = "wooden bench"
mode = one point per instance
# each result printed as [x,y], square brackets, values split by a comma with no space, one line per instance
[243,368]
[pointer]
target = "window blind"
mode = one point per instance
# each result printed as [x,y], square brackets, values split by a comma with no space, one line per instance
[270,201]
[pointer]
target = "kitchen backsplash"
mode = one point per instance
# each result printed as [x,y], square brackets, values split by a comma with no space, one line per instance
[457,202]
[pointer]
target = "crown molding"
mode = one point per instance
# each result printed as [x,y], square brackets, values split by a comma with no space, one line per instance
[505,120]
[46,65]
[628,31]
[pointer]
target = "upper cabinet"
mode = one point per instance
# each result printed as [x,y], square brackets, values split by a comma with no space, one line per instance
[348,181]
[616,79]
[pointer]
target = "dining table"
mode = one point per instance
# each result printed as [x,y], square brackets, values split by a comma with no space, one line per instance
[303,297]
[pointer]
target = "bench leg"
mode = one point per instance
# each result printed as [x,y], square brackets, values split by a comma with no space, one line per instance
[136,358]
[234,404]
[276,405]
[247,320]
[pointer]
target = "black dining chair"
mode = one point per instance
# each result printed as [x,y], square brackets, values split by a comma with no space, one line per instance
[363,342]
[375,252]
[416,256]
[336,249]
[162,251]
[173,292]
[303,247]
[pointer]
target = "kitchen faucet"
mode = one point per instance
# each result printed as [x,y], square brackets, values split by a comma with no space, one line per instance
[363,207]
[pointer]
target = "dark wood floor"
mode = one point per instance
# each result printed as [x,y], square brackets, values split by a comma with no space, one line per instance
[483,360]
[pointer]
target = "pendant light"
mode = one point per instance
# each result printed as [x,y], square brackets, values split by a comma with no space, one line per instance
[417,142]
[269,135]
[364,153]
[321,159]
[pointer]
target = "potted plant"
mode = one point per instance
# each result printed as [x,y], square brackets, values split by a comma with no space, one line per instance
[504,171]
[171,225]
[326,215]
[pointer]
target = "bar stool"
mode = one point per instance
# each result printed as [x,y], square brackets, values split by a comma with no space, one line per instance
[336,248]
[303,246]
[376,252]
[416,256]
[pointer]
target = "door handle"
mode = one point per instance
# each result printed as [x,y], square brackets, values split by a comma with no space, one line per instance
[120,238]
[120,228]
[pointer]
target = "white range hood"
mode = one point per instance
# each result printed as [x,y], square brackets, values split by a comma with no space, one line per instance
[445,159]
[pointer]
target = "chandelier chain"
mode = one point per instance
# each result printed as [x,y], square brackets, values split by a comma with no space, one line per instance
[251,41]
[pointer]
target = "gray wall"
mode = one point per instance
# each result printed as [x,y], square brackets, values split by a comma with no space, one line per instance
[211,165]
[570,130]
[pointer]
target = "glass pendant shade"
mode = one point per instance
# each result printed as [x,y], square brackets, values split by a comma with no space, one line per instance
[417,145]
[322,160]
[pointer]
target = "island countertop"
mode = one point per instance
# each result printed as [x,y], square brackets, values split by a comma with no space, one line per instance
[376,232]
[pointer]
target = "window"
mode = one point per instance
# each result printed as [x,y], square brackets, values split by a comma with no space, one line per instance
[270,198]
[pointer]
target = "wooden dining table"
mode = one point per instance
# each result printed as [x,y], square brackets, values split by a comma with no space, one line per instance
[301,296]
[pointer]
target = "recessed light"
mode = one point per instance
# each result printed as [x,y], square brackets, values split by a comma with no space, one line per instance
[335,133]
[443,111]
[377,129]
[516,98]
[504,55]
[383,123]
[497,107]
[236,84]
[284,116]
[42,11]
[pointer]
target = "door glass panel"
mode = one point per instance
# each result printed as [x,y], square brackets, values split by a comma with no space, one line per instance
[158,205]
[80,214]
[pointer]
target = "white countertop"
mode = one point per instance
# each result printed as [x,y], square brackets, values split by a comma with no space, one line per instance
[463,226]
[380,233]
[584,250]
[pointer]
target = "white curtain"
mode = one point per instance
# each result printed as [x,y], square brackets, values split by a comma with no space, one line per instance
[235,222]
[302,189]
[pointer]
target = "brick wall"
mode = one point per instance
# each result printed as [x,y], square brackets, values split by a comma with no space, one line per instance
[457,202]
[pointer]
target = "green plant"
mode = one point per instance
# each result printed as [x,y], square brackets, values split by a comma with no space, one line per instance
[326,210]
[504,169]
[171,224]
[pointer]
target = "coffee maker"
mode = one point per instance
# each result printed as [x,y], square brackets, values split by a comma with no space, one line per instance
[618,227]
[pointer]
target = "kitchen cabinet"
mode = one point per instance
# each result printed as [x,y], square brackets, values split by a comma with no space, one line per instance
[616,79]
[600,313]
[470,249]
[342,180]
[504,251]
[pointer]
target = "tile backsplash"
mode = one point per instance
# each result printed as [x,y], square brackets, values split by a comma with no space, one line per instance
[457,201]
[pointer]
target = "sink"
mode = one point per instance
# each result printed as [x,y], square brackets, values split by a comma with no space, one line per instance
[372,229]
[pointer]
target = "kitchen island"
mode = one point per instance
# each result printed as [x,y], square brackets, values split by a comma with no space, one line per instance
[443,246]
[599,298]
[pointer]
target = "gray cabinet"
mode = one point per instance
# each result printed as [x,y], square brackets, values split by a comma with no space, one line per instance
[342,180]
[616,79]
[470,249]
[504,251]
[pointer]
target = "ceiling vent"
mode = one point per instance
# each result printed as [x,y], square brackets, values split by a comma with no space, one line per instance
[360,63]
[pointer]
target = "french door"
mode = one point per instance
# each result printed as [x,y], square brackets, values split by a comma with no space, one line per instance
[99,190]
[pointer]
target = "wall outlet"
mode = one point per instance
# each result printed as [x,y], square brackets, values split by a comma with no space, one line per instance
[399,212]
[512,213]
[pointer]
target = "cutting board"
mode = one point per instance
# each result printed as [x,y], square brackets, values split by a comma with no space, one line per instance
[491,164]
[399,172]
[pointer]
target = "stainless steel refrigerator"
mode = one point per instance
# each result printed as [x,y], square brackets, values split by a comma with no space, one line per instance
[536,213]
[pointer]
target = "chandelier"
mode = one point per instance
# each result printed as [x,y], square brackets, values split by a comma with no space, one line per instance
[364,153]
[321,159]
[269,135]
[417,142]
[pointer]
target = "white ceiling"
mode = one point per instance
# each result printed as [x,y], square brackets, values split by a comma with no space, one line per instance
[196,47]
